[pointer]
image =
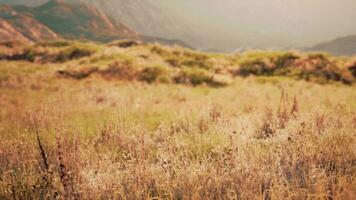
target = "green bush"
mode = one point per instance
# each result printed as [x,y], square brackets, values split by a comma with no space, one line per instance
[192,76]
[154,74]
[160,50]
[124,43]
[188,58]
[46,55]
[77,74]
[265,63]
[29,54]
[56,44]
[255,67]
[196,76]
[3,56]
[123,70]
[71,53]
[316,67]
[352,69]
[322,68]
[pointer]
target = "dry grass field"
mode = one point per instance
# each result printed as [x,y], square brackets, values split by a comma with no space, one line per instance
[150,122]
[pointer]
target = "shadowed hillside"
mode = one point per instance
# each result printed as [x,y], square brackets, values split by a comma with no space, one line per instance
[22,27]
[58,19]
[10,33]
[80,21]
[340,46]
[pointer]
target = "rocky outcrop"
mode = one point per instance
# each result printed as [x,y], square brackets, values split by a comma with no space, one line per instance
[57,19]
[10,33]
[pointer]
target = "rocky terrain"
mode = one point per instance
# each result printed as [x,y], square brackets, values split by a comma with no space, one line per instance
[58,19]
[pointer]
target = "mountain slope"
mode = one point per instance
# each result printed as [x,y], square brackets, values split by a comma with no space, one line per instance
[231,24]
[56,17]
[24,2]
[145,17]
[340,46]
[80,21]
[9,33]
[22,27]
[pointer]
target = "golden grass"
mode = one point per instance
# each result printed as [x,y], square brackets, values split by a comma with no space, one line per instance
[257,138]
[162,64]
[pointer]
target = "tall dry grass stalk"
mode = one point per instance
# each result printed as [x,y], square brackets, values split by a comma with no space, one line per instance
[99,139]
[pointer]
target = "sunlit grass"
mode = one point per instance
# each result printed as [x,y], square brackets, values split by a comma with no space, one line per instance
[100,137]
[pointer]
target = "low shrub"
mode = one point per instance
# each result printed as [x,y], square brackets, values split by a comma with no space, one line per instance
[154,74]
[29,54]
[2,56]
[160,50]
[321,68]
[124,43]
[70,53]
[193,76]
[79,74]
[56,44]
[352,69]
[123,70]
[197,77]
[44,55]
[316,67]
[189,58]
[265,63]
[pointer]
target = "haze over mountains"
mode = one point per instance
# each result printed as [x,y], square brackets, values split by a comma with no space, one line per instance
[57,19]
[339,46]
[227,25]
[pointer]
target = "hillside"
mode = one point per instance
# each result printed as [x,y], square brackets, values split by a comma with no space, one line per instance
[22,27]
[340,46]
[132,60]
[80,21]
[59,19]
[9,33]
[145,17]
[227,25]
[24,2]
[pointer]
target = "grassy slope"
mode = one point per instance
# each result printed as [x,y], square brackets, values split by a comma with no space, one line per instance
[255,138]
[163,64]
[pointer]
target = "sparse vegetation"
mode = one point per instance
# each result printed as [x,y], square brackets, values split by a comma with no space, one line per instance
[185,66]
[124,43]
[315,67]
[154,74]
[352,69]
[125,123]
[52,52]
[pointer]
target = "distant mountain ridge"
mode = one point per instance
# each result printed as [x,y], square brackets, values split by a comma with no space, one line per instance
[227,25]
[339,46]
[57,18]
[141,16]
[67,19]
[81,20]
[10,33]
[32,3]
[145,17]
[22,27]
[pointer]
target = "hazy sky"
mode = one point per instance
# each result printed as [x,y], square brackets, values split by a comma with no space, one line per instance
[261,23]
[275,22]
